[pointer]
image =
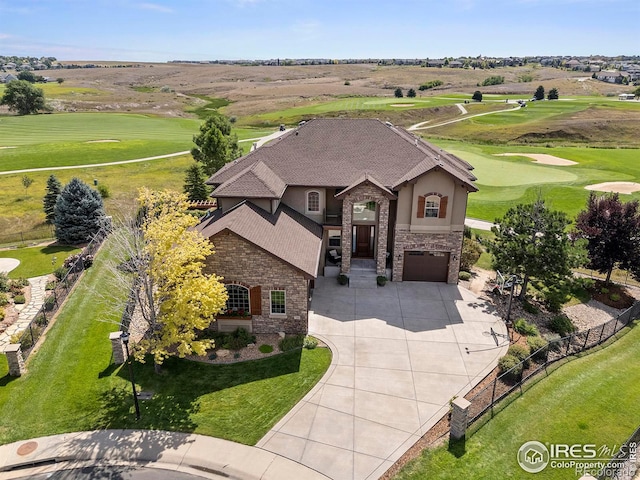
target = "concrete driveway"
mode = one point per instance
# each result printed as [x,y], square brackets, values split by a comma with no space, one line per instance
[400,353]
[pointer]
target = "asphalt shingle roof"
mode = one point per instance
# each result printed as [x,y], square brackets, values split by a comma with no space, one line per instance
[287,234]
[336,153]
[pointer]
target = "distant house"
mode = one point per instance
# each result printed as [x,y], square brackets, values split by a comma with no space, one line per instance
[435,63]
[7,78]
[626,96]
[10,66]
[455,64]
[574,65]
[360,197]
[609,76]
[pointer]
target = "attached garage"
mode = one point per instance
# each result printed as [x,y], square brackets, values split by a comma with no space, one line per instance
[425,266]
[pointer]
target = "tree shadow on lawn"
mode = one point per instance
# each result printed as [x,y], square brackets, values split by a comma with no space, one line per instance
[55,248]
[178,387]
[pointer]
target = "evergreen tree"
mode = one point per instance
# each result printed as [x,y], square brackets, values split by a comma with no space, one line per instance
[54,187]
[398,93]
[411,93]
[79,213]
[215,145]
[539,95]
[477,96]
[553,94]
[194,185]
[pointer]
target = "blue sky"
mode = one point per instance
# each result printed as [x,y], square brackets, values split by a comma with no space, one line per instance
[161,30]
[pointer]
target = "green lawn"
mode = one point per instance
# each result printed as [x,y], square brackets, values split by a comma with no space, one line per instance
[36,261]
[71,384]
[593,399]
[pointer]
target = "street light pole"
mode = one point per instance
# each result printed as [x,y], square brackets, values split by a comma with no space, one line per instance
[125,340]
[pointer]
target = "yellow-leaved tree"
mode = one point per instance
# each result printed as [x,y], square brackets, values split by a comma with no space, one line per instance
[180,298]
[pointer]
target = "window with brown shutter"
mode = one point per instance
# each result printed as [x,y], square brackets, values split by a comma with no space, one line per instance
[256,300]
[443,207]
[421,201]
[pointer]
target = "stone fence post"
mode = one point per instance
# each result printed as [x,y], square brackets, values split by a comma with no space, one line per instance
[117,347]
[13,351]
[459,418]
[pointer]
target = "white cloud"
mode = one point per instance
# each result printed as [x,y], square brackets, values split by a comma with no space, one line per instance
[4,36]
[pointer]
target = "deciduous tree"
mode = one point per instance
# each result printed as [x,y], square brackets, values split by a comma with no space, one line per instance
[22,97]
[531,241]
[612,230]
[54,187]
[27,181]
[175,297]
[78,214]
[215,145]
[477,96]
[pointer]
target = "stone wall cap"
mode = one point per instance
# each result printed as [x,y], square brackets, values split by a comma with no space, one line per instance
[12,347]
[462,403]
[115,335]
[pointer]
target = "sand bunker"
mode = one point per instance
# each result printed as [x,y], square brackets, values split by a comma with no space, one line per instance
[626,188]
[2,148]
[8,264]
[403,105]
[541,158]
[102,141]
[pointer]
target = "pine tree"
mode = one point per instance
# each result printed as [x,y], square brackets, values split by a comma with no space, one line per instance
[79,213]
[194,185]
[54,187]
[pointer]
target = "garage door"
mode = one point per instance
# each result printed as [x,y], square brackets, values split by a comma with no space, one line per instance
[425,266]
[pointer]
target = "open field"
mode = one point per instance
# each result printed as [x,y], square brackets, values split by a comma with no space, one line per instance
[588,400]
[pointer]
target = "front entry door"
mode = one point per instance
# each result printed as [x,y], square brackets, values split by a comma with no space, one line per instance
[364,235]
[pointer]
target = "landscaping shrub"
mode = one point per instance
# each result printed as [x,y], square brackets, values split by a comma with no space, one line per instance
[4,300]
[235,340]
[4,282]
[20,282]
[265,348]
[562,325]
[614,297]
[19,299]
[343,279]
[525,328]
[60,273]
[309,343]
[520,352]
[530,308]
[87,260]
[1,314]
[535,345]
[471,251]
[49,303]
[381,280]
[604,290]
[585,282]
[103,190]
[291,343]
[50,285]
[510,364]
[40,320]
[464,275]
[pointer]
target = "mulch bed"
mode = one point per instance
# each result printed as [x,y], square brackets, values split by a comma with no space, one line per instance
[621,297]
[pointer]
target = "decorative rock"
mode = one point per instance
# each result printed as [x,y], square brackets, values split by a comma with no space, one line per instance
[223,353]
[281,334]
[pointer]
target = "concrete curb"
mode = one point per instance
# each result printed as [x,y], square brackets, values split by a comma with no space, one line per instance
[209,457]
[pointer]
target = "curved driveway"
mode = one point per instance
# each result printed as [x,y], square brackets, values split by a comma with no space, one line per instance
[400,353]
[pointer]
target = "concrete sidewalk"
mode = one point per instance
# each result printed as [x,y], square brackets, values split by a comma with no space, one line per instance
[198,455]
[400,354]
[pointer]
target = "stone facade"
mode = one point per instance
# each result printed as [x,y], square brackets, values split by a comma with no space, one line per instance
[240,261]
[119,354]
[441,242]
[459,416]
[366,192]
[13,351]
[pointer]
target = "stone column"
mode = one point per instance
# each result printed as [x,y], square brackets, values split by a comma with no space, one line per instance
[459,418]
[383,228]
[13,351]
[347,212]
[117,348]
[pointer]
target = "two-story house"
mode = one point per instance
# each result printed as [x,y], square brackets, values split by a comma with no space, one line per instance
[332,192]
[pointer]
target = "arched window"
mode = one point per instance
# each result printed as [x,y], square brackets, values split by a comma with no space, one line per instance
[313,201]
[431,206]
[238,301]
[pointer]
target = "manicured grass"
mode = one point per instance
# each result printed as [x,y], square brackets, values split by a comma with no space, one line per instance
[505,181]
[71,384]
[36,261]
[62,139]
[590,400]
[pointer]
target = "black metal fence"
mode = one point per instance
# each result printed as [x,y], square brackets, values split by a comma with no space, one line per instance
[24,237]
[57,296]
[486,399]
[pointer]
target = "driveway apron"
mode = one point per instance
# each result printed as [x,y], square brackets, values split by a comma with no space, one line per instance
[400,353]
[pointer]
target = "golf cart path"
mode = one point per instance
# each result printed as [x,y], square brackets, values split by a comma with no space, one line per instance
[260,141]
[421,125]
